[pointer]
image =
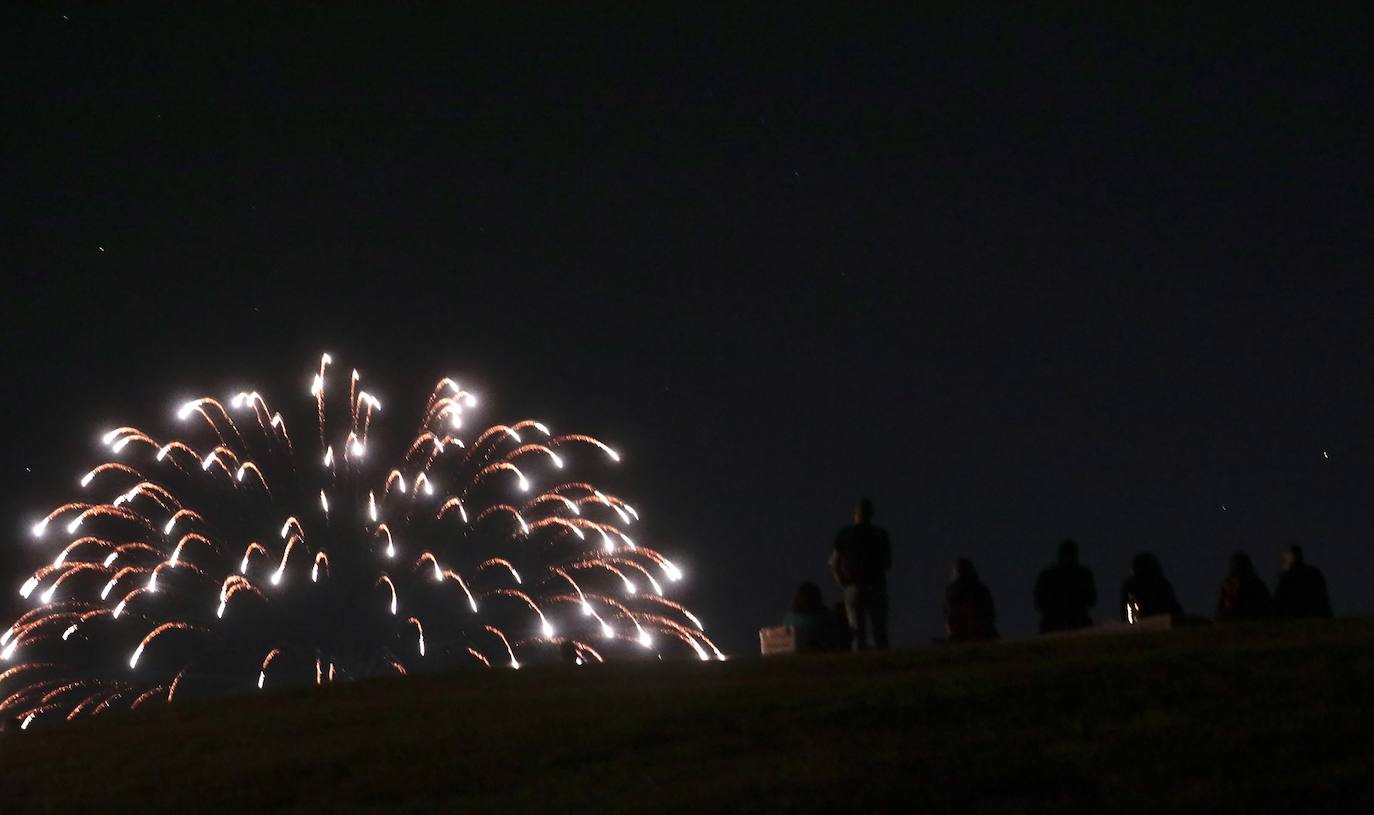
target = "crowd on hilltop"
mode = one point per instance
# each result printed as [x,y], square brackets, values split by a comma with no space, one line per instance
[1065,593]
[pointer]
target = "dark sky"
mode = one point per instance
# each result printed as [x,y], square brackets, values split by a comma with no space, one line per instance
[1016,277]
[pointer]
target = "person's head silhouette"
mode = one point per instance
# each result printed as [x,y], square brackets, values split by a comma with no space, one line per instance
[567,651]
[808,599]
[1146,565]
[964,571]
[1241,565]
[863,511]
[1068,553]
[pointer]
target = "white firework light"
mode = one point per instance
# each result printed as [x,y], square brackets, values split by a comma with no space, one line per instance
[242,557]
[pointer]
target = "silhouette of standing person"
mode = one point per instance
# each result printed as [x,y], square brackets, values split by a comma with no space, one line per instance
[1243,595]
[1065,592]
[969,612]
[860,562]
[1147,592]
[1301,590]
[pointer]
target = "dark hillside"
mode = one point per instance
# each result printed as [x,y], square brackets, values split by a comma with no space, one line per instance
[1273,719]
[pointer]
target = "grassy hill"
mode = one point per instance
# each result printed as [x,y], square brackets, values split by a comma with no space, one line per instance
[1264,718]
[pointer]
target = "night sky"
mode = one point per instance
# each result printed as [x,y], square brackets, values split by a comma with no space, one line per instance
[1014,277]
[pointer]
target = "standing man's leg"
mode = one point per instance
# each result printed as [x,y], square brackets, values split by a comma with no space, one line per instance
[857,614]
[877,607]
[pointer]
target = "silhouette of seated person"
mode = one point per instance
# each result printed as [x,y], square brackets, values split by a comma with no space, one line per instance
[1243,594]
[969,612]
[1065,592]
[567,652]
[813,624]
[1301,590]
[1147,592]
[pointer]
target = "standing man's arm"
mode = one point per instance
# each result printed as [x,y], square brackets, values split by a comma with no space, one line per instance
[835,566]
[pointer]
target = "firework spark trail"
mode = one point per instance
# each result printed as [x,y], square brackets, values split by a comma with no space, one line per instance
[225,560]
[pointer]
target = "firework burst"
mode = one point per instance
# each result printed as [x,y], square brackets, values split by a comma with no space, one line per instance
[241,557]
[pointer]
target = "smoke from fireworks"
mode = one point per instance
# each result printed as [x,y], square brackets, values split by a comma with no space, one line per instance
[243,557]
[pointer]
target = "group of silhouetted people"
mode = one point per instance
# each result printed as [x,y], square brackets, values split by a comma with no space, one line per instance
[1299,593]
[1065,593]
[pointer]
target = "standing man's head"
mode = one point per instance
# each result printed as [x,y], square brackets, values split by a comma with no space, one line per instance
[863,511]
[1068,553]
[1292,556]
